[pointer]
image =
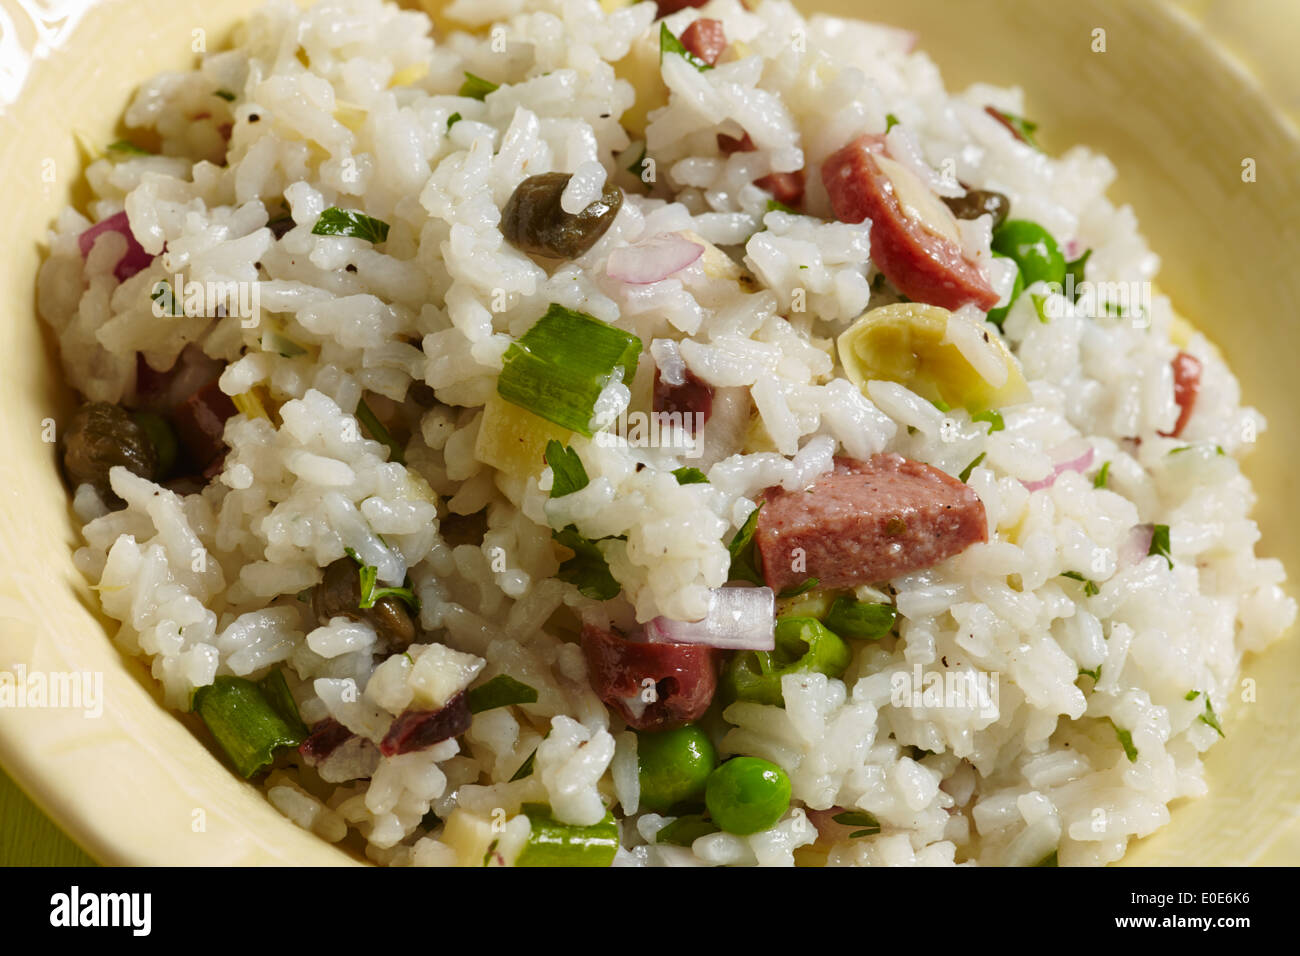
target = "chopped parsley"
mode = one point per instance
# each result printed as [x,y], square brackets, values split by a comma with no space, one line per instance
[1095,673]
[1090,587]
[1023,128]
[375,428]
[226,95]
[690,476]
[126,148]
[745,560]
[1209,718]
[369,576]
[966,472]
[891,121]
[525,768]
[476,88]
[453,119]
[1125,741]
[587,570]
[668,43]
[940,404]
[566,466]
[1099,480]
[858,818]
[350,224]
[1040,307]
[775,205]
[796,589]
[993,417]
[501,691]
[1160,543]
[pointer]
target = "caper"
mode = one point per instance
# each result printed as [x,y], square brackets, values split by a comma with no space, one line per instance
[980,202]
[535,222]
[339,595]
[101,435]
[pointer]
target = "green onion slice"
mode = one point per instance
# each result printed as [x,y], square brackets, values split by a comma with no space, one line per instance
[247,725]
[477,88]
[552,843]
[860,620]
[558,368]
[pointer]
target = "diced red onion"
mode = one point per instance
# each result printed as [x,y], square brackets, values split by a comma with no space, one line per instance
[653,260]
[1079,464]
[135,258]
[1136,546]
[738,619]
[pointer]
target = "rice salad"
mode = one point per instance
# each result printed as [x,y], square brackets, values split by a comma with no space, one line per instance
[576,433]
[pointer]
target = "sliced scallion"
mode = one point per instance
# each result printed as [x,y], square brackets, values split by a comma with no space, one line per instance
[371,423]
[244,722]
[552,843]
[477,88]
[559,367]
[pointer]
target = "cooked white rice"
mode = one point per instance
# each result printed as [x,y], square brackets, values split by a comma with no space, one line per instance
[347,103]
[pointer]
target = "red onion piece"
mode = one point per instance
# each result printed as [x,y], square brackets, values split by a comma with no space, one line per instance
[738,619]
[420,729]
[135,258]
[1136,546]
[1079,464]
[653,260]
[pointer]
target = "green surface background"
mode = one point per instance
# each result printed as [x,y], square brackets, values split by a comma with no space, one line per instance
[28,838]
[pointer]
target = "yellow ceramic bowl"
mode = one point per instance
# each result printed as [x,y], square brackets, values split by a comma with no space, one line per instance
[1178,115]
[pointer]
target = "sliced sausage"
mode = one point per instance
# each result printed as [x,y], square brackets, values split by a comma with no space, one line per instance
[706,39]
[1187,384]
[684,676]
[866,521]
[785,188]
[414,730]
[921,264]
[669,7]
[694,396]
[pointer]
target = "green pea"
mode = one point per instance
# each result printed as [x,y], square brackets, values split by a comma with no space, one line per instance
[674,765]
[999,315]
[803,645]
[1033,248]
[746,795]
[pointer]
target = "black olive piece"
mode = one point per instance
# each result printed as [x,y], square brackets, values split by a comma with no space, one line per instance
[979,202]
[535,222]
[99,436]
[339,595]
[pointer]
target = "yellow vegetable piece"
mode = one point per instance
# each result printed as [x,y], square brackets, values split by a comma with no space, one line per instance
[609,6]
[251,403]
[513,439]
[916,346]
[409,74]
[641,68]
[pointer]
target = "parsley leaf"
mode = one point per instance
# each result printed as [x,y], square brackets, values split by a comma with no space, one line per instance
[1099,481]
[566,466]
[1126,741]
[690,476]
[966,472]
[775,205]
[668,43]
[587,570]
[226,95]
[350,224]
[1160,543]
[858,818]
[796,589]
[891,121]
[1090,588]
[501,691]
[477,88]
[993,417]
[453,119]
[745,559]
